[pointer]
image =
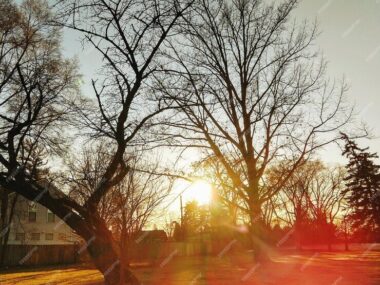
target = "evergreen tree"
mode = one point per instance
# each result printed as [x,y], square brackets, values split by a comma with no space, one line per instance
[196,219]
[363,189]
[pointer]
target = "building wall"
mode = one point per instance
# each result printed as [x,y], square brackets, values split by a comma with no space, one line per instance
[42,231]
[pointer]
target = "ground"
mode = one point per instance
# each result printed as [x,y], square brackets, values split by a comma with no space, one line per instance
[287,267]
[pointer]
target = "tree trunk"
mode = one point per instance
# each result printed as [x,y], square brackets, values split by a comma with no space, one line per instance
[4,245]
[6,215]
[298,234]
[256,235]
[122,246]
[330,235]
[346,248]
[108,262]
[345,237]
[3,222]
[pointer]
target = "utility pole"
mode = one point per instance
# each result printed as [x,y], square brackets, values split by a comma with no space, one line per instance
[180,202]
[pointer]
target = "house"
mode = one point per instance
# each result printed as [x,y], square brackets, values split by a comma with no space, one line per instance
[33,224]
[151,236]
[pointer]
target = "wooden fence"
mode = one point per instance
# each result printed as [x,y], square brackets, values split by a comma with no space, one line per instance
[155,251]
[152,252]
[33,255]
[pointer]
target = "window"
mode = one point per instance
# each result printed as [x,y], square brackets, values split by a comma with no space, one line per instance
[50,217]
[20,236]
[32,214]
[35,236]
[62,236]
[49,236]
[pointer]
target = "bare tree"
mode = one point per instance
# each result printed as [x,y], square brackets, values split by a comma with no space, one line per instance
[326,201]
[33,76]
[130,204]
[295,196]
[252,91]
[312,201]
[84,172]
[35,90]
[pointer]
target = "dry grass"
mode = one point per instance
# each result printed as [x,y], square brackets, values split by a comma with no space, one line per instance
[62,275]
[306,268]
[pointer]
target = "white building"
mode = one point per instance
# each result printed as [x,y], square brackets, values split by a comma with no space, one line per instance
[33,224]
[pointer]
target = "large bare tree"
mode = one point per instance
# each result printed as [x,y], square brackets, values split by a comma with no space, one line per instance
[129,36]
[252,90]
[35,82]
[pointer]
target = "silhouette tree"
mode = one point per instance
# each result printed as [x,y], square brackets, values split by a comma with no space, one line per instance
[196,219]
[177,231]
[36,86]
[33,79]
[251,92]
[362,189]
[312,201]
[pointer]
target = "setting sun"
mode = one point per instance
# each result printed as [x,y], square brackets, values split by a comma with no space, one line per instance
[199,191]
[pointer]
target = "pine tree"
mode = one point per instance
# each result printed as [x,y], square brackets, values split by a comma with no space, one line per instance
[363,189]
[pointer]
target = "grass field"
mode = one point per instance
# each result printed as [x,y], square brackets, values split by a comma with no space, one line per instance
[306,268]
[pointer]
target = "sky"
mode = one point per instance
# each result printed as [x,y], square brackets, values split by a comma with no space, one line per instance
[350,41]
